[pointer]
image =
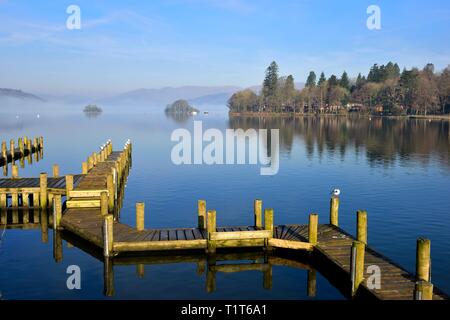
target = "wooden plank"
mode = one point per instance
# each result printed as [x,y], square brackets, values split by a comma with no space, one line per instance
[287,244]
[236,235]
[159,245]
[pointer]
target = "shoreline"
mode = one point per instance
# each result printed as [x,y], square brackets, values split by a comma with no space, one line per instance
[299,115]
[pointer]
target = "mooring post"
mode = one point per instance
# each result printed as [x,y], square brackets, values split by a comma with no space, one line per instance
[20,143]
[140,216]
[312,228]
[90,162]
[14,171]
[84,168]
[211,227]
[3,201]
[43,189]
[357,265]
[15,198]
[36,144]
[55,170]
[257,209]
[110,188]
[268,220]
[334,210]
[4,151]
[361,226]
[69,185]
[108,239]
[423,259]
[94,158]
[423,290]
[104,203]
[12,149]
[25,200]
[41,142]
[57,211]
[201,211]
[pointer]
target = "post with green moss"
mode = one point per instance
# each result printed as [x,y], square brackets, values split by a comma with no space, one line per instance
[211,227]
[201,211]
[257,209]
[361,228]
[423,260]
[357,265]
[334,211]
[312,228]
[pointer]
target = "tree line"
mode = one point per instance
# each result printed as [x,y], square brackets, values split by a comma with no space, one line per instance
[385,90]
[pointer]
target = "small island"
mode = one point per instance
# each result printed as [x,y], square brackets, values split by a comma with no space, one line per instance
[92,110]
[181,107]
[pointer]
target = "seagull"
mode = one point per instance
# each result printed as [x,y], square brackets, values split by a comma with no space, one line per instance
[335,192]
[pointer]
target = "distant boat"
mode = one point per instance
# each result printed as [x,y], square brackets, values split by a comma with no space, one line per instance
[194,113]
[205,112]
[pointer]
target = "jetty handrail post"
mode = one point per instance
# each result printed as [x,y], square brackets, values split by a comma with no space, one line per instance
[361,226]
[140,216]
[110,188]
[201,212]
[211,227]
[43,189]
[14,171]
[57,211]
[334,210]
[108,240]
[423,259]
[423,290]
[12,149]
[257,209]
[357,265]
[312,228]
[104,203]
[55,170]
[84,167]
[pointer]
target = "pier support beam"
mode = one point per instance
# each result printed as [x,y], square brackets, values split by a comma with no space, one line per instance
[361,228]
[423,260]
[312,228]
[257,208]
[357,265]
[334,211]
[201,211]
[140,216]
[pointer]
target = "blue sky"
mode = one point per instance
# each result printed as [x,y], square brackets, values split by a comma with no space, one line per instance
[125,45]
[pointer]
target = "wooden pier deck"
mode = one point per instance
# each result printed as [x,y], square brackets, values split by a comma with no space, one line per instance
[91,213]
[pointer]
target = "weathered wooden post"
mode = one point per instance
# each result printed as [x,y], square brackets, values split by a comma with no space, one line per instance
[14,171]
[12,149]
[201,210]
[94,158]
[14,199]
[104,203]
[90,163]
[357,264]
[57,211]
[108,277]
[312,228]
[3,200]
[211,227]
[140,270]
[257,209]
[25,199]
[21,148]
[84,167]
[69,185]
[423,260]
[361,229]
[4,152]
[334,210]
[43,189]
[3,215]
[57,246]
[140,216]
[55,170]
[44,226]
[41,142]
[110,188]
[267,277]
[423,290]
[108,240]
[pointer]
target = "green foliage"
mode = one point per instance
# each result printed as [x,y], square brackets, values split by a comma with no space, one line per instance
[92,108]
[311,80]
[180,107]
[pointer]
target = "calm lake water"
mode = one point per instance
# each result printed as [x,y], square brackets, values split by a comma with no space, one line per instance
[397,170]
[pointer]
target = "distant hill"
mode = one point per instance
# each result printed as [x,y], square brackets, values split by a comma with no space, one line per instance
[162,97]
[212,99]
[18,95]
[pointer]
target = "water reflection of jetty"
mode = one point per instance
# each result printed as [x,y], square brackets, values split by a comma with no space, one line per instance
[89,218]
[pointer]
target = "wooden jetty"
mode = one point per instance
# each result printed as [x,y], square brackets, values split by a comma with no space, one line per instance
[25,147]
[92,207]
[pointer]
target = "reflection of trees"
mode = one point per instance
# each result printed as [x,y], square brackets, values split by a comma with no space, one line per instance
[384,140]
[178,117]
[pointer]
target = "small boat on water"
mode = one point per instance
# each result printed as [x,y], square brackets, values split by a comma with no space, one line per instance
[205,112]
